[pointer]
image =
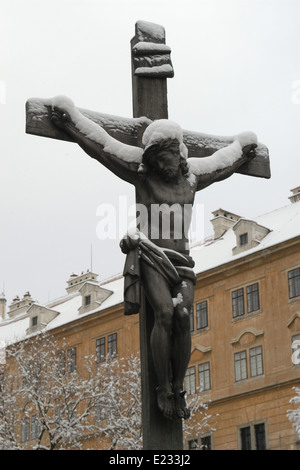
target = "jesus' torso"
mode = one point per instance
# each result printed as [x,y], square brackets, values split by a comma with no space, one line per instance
[164,210]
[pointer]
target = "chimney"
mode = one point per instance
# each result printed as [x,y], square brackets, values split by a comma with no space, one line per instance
[295,197]
[223,221]
[75,281]
[20,305]
[2,307]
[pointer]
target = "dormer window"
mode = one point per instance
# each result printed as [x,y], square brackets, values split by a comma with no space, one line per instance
[243,239]
[39,317]
[92,296]
[249,234]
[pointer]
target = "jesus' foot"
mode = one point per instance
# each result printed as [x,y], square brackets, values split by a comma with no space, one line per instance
[165,401]
[181,407]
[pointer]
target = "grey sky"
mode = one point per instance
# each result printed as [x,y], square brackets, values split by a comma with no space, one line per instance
[237,67]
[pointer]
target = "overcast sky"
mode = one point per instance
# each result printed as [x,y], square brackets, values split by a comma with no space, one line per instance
[237,67]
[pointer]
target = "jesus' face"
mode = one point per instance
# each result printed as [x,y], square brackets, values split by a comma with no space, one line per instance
[165,160]
[167,164]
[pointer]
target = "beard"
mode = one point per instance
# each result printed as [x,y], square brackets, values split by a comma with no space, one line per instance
[170,176]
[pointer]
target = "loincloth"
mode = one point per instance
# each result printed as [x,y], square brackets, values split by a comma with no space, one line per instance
[173,266]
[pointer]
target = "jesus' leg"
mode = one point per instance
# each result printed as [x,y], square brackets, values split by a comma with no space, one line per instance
[181,344]
[158,294]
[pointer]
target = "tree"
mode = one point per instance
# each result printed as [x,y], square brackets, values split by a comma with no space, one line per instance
[119,404]
[45,402]
[294,415]
[200,422]
[48,403]
[8,407]
[43,395]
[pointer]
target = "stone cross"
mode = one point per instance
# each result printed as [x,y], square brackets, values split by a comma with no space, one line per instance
[151,66]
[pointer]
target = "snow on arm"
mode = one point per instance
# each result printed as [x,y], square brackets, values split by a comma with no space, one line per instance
[222,158]
[97,134]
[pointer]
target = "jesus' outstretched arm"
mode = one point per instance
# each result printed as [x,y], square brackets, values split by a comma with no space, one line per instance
[224,162]
[122,159]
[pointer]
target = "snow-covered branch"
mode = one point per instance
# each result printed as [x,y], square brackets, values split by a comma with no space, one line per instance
[294,415]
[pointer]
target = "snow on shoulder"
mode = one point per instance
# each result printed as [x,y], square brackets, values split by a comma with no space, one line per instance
[224,157]
[96,133]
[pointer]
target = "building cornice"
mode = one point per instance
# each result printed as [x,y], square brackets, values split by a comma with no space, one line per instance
[287,383]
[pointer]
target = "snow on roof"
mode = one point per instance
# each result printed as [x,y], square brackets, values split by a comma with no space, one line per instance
[283,223]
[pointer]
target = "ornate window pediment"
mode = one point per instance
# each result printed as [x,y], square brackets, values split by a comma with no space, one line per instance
[198,352]
[294,322]
[247,337]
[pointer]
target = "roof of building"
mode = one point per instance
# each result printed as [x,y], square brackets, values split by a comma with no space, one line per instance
[283,224]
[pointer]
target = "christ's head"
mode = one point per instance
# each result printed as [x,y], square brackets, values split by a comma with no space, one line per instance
[164,158]
[164,150]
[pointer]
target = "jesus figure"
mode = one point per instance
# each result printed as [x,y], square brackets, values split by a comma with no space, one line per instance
[163,177]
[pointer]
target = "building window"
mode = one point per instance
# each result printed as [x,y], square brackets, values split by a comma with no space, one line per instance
[253,437]
[190,380]
[61,362]
[35,427]
[87,300]
[294,283]
[245,434]
[112,347]
[201,315]
[71,360]
[252,298]
[238,303]
[253,304]
[193,444]
[112,344]
[256,362]
[25,423]
[100,350]
[243,239]
[34,321]
[240,365]
[260,437]
[206,443]
[204,376]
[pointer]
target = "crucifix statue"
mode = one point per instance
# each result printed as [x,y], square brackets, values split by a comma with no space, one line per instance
[167,166]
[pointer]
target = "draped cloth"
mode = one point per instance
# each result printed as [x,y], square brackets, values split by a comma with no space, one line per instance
[173,266]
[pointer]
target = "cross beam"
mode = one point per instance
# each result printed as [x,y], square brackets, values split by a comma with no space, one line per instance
[127,130]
